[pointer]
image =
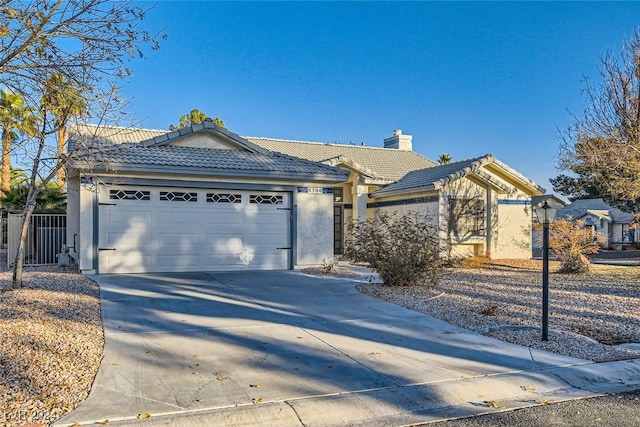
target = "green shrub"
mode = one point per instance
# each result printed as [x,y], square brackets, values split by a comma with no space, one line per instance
[402,249]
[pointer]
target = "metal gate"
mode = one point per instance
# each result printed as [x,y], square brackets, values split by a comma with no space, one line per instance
[47,233]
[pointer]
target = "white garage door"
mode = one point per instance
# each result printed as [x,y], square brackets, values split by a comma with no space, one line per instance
[151,229]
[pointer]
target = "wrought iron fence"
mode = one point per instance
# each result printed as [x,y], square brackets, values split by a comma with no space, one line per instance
[46,235]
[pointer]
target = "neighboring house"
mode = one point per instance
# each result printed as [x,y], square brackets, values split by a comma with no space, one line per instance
[615,224]
[204,198]
[537,202]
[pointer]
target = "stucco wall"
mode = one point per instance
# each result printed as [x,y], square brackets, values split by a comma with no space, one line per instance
[512,232]
[429,209]
[314,228]
[464,250]
[86,228]
[73,213]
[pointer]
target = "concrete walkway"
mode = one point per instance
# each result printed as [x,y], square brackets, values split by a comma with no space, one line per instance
[285,349]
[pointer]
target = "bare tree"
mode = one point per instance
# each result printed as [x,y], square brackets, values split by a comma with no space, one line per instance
[602,144]
[85,43]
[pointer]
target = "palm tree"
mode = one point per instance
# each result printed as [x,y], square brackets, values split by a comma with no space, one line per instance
[63,100]
[18,177]
[444,159]
[16,118]
[51,198]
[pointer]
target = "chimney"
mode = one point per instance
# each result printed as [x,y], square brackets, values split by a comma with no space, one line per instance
[399,141]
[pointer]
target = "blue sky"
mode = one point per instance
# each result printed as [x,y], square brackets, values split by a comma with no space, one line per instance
[462,78]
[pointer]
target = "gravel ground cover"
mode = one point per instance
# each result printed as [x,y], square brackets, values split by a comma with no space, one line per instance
[339,273]
[588,312]
[51,344]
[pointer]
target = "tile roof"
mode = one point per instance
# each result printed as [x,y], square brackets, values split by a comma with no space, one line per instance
[435,177]
[113,134]
[385,163]
[538,200]
[596,207]
[432,177]
[212,159]
[139,149]
[405,170]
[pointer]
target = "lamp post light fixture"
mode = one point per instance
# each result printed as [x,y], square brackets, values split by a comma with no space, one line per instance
[545,214]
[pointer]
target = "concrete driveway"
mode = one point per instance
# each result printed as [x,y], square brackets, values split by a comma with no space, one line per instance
[282,348]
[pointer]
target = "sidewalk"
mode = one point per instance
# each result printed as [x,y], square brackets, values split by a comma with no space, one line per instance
[415,404]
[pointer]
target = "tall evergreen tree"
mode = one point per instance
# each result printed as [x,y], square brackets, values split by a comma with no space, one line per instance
[194,117]
[16,118]
[62,99]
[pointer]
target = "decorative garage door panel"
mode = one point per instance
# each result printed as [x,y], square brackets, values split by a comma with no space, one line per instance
[166,229]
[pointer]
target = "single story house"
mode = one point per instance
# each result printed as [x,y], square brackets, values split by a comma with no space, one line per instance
[204,198]
[616,225]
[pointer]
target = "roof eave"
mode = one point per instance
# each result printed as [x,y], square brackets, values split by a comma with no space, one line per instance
[535,189]
[352,164]
[377,181]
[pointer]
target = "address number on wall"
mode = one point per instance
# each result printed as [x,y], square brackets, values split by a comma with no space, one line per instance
[315,190]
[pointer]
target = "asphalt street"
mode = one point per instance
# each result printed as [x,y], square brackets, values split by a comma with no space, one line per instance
[612,410]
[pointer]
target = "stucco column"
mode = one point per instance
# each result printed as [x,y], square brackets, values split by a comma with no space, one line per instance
[616,233]
[359,193]
[88,238]
[489,222]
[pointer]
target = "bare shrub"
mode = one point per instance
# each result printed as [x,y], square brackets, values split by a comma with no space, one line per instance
[402,249]
[470,261]
[476,262]
[329,265]
[570,241]
[490,310]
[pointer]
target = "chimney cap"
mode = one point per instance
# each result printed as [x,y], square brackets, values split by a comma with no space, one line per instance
[397,132]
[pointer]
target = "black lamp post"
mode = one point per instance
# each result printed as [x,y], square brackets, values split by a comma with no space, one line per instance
[546,214]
